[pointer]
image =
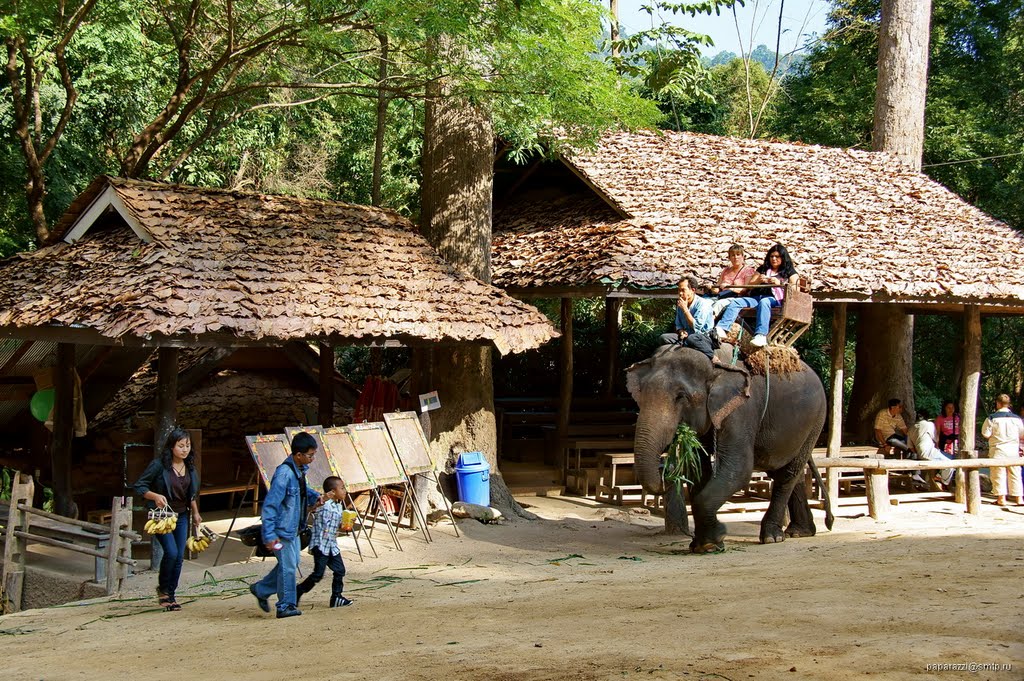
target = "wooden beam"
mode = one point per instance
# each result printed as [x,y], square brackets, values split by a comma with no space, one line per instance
[306,361]
[969,403]
[835,433]
[612,319]
[13,360]
[166,408]
[63,429]
[96,363]
[565,379]
[325,378]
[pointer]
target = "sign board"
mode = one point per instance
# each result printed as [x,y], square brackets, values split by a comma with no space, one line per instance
[430,401]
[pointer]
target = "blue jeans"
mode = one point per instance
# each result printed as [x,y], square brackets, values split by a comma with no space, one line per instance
[764,307]
[281,580]
[320,563]
[173,544]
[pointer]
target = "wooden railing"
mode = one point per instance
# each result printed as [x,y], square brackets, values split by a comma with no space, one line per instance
[111,544]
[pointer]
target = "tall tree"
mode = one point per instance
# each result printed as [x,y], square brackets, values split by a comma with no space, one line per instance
[885,333]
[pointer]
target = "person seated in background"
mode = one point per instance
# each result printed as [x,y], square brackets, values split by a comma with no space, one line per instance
[922,445]
[693,319]
[947,425]
[777,270]
[736,274]
[890,428]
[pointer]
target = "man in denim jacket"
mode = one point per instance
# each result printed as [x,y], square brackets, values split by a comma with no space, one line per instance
[284,515]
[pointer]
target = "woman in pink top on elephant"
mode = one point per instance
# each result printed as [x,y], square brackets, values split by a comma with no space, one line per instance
[736,274]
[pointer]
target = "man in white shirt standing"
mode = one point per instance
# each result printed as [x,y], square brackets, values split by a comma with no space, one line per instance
[1005,433]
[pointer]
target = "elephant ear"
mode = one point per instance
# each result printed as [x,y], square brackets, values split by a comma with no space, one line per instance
[728,390]
[636,375]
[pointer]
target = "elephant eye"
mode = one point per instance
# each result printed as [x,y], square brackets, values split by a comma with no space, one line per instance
[682,396]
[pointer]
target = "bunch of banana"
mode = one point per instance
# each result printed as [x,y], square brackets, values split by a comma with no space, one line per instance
[197,544]
[161,525]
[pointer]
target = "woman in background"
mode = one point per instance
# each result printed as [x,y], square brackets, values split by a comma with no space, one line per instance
[172,481]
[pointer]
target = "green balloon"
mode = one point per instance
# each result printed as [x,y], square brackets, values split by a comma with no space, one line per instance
[42,404]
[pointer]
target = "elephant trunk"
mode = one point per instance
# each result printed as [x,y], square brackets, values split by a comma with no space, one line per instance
[650,442]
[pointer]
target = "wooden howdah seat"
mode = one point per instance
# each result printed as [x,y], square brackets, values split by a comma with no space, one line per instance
[792,318]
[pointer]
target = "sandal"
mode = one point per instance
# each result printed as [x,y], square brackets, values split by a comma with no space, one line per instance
[165,600]
[173,606]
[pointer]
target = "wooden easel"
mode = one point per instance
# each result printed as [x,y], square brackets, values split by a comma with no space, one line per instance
[414,451]
[378,454]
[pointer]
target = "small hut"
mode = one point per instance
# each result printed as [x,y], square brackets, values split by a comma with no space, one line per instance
[136,267]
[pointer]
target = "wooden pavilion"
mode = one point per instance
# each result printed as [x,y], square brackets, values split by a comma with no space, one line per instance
[627,218]
[137,266]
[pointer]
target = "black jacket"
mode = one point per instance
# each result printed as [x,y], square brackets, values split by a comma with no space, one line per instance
[157,479]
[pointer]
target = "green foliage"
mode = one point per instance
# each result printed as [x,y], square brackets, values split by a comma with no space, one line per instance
[974,108]
[683,460]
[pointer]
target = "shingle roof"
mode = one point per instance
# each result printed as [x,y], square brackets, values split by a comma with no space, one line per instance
[861,224]
[224,268]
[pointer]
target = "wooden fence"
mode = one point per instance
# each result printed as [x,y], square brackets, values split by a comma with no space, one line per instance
[110,545]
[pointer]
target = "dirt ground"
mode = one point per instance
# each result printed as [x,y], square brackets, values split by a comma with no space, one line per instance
[589,592]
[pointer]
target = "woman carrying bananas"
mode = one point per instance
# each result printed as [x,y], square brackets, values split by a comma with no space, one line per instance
[172,481]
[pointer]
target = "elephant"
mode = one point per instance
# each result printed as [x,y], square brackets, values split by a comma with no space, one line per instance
[747,422]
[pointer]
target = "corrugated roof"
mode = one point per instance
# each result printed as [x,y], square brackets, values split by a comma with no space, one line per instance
[860,224]
[228,267]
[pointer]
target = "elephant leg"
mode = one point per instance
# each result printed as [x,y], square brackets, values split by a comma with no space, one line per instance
[801,522]
[675,511]
[733,473]
[784,480]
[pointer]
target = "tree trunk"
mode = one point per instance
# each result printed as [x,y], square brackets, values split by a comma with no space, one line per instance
[902,79]
[885,333]
[458,157]
[885,343]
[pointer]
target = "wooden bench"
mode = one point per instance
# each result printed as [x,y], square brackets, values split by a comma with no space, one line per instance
[608,489]
[876,473]
[578,445]
[234,488]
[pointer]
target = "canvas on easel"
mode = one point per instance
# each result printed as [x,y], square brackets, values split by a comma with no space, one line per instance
[377,451]
[345,458]
[322,466]
[414,450]
[269,452]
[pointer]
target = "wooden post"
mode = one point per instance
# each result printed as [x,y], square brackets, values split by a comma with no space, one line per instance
[166,407]
[877,483]
[612,319]
[326,378]
[165,418]
[565,383]
[118,546]
[14,546]
[63,429]
[835,433]
[969,403]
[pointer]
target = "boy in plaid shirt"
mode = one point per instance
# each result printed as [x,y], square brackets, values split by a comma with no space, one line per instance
[323,546]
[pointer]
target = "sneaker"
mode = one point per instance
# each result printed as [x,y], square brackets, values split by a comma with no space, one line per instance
[290,611]
[759,341]
[720,333]
[916,477]
[262,602]
[340,601]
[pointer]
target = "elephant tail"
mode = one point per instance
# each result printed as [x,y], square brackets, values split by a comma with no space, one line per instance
[829,518]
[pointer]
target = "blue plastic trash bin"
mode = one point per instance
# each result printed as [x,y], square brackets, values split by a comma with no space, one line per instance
[472,476]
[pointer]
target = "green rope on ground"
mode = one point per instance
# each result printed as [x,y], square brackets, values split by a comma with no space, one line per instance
[683,461]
